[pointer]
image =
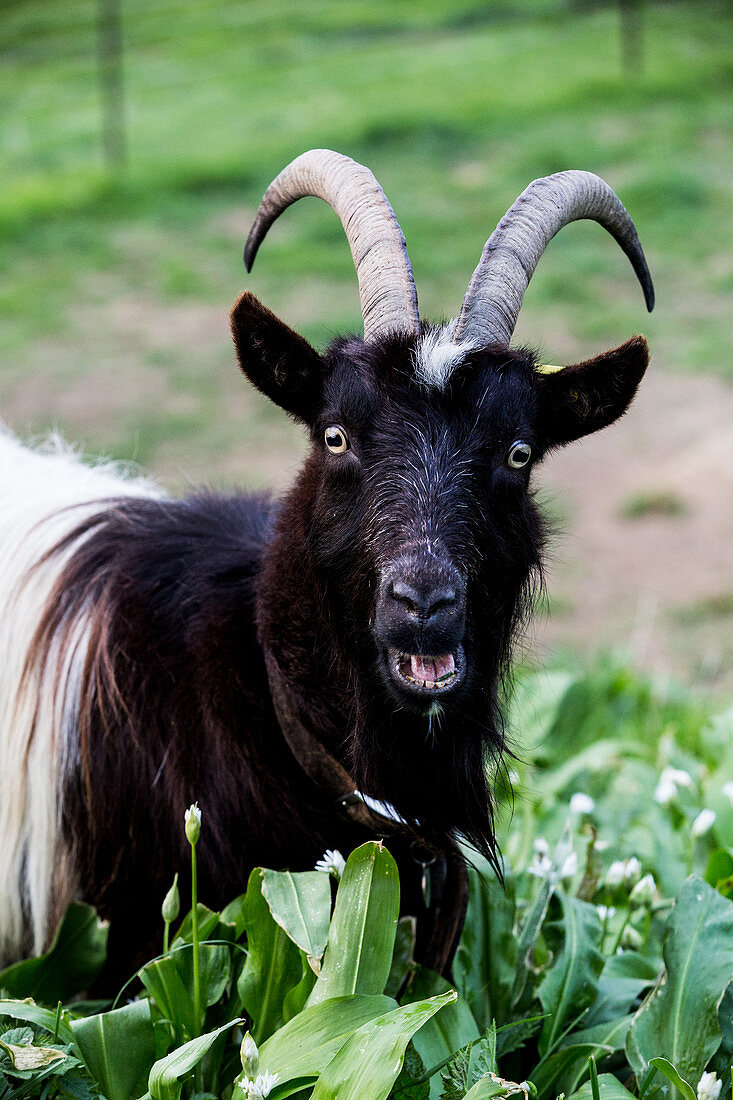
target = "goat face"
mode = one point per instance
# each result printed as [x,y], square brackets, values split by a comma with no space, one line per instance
[423,521]
[413,519]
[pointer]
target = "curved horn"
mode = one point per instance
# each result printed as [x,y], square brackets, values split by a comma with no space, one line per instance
[512,252]
[386,286]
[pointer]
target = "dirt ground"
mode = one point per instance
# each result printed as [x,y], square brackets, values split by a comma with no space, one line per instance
[643,559]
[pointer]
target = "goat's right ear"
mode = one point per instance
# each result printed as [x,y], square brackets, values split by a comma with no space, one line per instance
[279,362]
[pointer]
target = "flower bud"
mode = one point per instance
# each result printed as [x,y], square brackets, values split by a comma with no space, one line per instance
[631,938]
[192,821]
[709,1087]
[171,906]
[643,893]
[250,1056]
[703,823]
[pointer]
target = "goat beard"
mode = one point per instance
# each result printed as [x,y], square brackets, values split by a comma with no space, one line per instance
[435,772]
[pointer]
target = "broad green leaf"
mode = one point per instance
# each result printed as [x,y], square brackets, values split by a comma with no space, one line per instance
[571,982]
[486,960]
[672,1075]
[301,905]
[118,1048]
[296,998]
[368,1064]
[723,1057]
[232,914]
[402,956]
[170,981]
[43,1017]
[164,1082]
[208,926]
[469,1065]
[305,1046]
[71,964]
[362,934]
[623,979]
[453,1028]
[566,1065]
[679,1018]
[609,1087]
[719,871]
[534,707]
[273,963]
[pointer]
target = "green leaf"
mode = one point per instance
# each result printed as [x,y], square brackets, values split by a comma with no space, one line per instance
[410,1084]
[449,1031]
[719,871]
[610,1088]
[368,1064]
[679,1018]
[402,956]
[273,963]
[361,939]
[623,979]
[672,1075]
[571,983]
[562,1070]
[486,960]
[118,1048]
[723,1058]
[164,1082]
[71,964]
[486,1088]
[305,1046]
[301,905]
[25,1056]
[43,1017]
[469,1065]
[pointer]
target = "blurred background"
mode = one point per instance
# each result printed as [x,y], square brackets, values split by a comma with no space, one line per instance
[137,136]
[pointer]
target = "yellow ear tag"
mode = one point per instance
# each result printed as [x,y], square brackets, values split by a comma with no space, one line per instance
[547,368]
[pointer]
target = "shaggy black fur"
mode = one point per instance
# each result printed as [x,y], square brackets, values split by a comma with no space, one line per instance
[187,596]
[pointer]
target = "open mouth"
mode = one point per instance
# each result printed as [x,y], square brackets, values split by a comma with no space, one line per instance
[425,675]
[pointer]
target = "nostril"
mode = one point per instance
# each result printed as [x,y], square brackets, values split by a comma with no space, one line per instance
[442,600]
[405,594]
[425,603]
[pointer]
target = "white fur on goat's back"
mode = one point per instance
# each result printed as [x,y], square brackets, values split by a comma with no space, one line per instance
[44,494]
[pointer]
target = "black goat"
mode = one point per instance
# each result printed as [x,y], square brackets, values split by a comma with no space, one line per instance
[271,658]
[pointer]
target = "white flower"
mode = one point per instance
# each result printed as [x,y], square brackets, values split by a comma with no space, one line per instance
[643,893]
[333,862]
[541,864]
[581,803]
[669,781]
[727,790]
[664,792]
[570,865]
[192,822]
[709,1087]
[703,823]
[260,1087]
[623,872]
[605,912]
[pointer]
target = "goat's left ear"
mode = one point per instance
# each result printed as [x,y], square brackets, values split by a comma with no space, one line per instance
[579,399]
[279,362]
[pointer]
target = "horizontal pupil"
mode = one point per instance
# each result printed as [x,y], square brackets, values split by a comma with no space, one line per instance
[335,440]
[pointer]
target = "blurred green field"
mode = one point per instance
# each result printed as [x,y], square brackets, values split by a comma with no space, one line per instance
[456,107]
[115,286]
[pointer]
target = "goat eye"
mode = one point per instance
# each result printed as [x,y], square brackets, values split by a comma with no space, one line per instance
[519,455]
[337,440]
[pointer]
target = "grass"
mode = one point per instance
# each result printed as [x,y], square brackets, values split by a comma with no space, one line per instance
[456,107]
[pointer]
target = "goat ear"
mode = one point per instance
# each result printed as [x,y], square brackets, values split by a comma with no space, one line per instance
[580,399]
[279,362]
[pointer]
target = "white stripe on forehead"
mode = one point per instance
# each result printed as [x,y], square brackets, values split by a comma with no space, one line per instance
[437,356]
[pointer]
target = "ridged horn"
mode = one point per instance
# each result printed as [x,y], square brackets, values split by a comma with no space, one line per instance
[386,286]
[511,254]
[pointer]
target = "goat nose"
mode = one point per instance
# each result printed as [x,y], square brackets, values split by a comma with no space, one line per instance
[425,602]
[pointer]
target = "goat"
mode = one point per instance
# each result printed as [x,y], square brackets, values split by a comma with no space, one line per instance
[271,658]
